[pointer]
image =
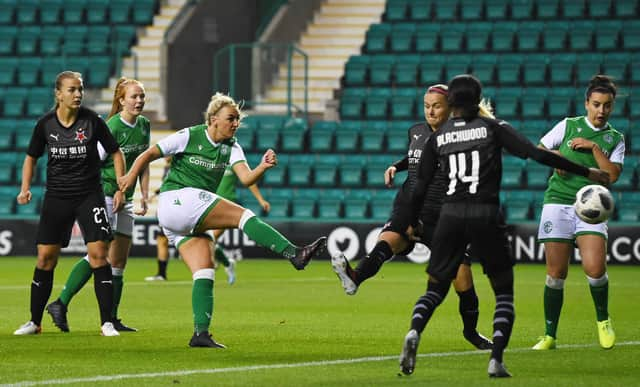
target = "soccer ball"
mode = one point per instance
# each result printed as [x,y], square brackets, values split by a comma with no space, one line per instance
[594,204]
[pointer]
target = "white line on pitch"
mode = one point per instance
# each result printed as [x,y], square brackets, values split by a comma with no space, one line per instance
[320,363]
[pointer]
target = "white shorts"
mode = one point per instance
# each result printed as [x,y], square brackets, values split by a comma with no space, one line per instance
[181,211]
[559,222]
[121,221]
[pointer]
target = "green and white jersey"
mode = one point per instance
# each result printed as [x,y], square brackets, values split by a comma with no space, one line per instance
[562,189]
[133,140]
[197,161]
[227,187]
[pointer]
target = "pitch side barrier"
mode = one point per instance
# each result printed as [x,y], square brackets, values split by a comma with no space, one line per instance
[17,238]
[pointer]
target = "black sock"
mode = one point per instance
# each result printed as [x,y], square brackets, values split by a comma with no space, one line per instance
[504,315]
[162,268]
[468,308]
[40,291]
[371,264]
[103,286]
[427,304]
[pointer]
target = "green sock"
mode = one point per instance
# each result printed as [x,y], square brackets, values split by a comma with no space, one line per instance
[221,256]
[600,295]
[80,274]
[552,307]
[267,236]
[118,282]
[202,304]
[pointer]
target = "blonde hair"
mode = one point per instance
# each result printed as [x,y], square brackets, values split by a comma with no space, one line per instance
[62,76]
[485,109]
[119,92]
[218,101]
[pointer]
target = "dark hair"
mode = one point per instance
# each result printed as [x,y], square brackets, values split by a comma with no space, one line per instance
[601,84]
[464,93]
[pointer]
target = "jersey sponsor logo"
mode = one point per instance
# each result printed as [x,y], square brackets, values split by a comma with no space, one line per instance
[80,136]
[54,136]
[547,227]
[206,163]
[462,136]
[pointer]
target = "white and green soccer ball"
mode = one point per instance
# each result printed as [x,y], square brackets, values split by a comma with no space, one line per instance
[594,204]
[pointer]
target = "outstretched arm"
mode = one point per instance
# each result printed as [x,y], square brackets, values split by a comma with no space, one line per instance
[248,176]
[139,165]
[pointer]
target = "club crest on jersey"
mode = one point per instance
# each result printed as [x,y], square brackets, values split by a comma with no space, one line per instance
[224,149]
[547,226]
[607,138]
[80,136]
[205,196]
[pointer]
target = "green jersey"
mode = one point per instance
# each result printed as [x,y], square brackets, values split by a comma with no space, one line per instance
[227,187]
[133,140]
[197,161]
[563,189]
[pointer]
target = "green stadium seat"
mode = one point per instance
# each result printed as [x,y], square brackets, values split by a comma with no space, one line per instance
[275,176]
[512,168]
[376,104]
[356,204]
[381,204]
[457,64]
[634,68]
[356,70]
[452,37]
[123,36]
[421,10]
[534,69]
[267,139]
[634,108]
[372,136]
[560,102]
[522,9]
[294,134]
[29,71]
[555,36]
[406,70]
[351,102]
[27,40]
[397,137]
[77,63]
[96,11]
[518,205]
[100,69]
[26,11]
[119,11]
[401,37]
[73,11]
[7,11]
[7,203]
[351,170]
[271,122]
[98,39]
[484,68]
[8,68]
[303,207]
[626,8]
[561,68]
[330,203]
[50,11]
[14,99]
[299,169]
[427,37]
[581,35]
[51,40]
[507,102]
[8,34]
[402,105]
[396,10]
[631,34]
[380,70]
[503,36]
[529,35]
[39,101]
[7,134]
[321,136]
[7,175]
[246,136]
[608,35]
[431,69]
[143,11]
[279,208]
[375,167]
[347,136]
[615,64]
[627,178]
[325,171]
[548,9]
[445,10]
[75,39]
[587,65]
[533,102]
[537,175]
[471,10]
[628,205]
[600,9]
[376,38]
[509,66]
[478,36]
[574,9]
[496,9]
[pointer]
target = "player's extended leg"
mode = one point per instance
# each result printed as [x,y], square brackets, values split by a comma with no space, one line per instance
[80,274]
[41,286]
[468,307]
[162,245]
[593,251]
[503,319]
[557,260]
[196,253]
[227,214]
[118,253]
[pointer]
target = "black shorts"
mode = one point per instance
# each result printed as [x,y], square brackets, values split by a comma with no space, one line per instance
[59,214]
[479,226]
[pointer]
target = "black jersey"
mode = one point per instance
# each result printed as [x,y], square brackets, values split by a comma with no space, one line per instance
[469,155]
[73,166]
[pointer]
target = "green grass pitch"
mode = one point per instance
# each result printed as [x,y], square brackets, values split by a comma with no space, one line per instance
[289,328]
